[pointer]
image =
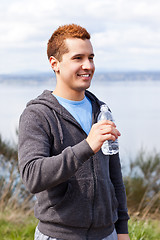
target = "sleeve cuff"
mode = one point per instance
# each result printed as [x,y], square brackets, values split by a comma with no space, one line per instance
[82,151]
[121,227]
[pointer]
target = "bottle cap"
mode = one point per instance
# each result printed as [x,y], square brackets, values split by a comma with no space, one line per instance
[104,107]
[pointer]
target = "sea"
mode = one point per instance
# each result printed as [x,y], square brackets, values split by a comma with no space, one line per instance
[133,97]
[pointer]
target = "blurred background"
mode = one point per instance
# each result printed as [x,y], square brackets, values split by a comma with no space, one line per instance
[126,41]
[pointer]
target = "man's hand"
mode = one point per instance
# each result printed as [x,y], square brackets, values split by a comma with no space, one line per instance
[100,132]
[123,237]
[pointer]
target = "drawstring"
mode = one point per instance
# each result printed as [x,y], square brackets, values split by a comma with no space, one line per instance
[59,127]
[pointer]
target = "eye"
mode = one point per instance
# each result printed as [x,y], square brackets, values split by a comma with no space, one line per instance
[91,58]
[78,57]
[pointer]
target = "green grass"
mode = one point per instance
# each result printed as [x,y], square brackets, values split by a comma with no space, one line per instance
[144,230]
[22,227]
[17,230]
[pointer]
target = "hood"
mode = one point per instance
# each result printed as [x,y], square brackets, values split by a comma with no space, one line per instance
[47,99]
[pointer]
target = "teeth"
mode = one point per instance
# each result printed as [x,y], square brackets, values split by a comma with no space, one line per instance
[84,75]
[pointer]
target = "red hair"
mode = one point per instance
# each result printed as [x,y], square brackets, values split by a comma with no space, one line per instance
[56,44]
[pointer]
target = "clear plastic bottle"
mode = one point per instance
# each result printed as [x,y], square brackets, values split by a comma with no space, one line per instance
[109,147]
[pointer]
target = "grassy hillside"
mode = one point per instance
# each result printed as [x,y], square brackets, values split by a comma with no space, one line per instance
[21,227]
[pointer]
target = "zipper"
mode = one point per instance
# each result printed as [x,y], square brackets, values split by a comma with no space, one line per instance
[94,193]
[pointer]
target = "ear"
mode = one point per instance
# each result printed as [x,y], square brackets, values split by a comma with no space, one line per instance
[54,64]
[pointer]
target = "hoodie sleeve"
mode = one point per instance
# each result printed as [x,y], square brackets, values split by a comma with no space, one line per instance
[116,177]
[39,170]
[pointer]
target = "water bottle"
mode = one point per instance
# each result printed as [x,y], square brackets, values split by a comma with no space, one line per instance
[109,147]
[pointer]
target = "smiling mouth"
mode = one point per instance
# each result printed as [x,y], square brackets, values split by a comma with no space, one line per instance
[84,75]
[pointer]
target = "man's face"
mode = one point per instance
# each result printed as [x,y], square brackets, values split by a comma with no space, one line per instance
[76,68]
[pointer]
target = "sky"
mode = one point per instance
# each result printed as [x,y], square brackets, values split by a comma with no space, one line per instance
[125,34]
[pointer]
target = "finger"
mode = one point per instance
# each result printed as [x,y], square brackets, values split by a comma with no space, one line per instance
[107,129]
[107,122]
[108,137]
[117,133]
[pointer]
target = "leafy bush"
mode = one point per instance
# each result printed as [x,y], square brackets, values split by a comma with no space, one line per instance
[143,184]
[13,194]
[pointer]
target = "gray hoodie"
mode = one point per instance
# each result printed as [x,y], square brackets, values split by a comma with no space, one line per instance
[80,195]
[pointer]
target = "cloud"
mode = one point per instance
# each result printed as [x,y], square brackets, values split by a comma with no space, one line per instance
[123,32]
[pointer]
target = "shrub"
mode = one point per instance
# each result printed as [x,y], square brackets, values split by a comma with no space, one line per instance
[13,194]
[143,184]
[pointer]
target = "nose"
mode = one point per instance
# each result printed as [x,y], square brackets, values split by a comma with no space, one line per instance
[88,64]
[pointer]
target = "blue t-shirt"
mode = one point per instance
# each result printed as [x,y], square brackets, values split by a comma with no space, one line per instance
[80,110]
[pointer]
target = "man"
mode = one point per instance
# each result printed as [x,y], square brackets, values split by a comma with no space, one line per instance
[80,192]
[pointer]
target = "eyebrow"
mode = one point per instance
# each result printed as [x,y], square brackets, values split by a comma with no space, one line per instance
[80,55]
